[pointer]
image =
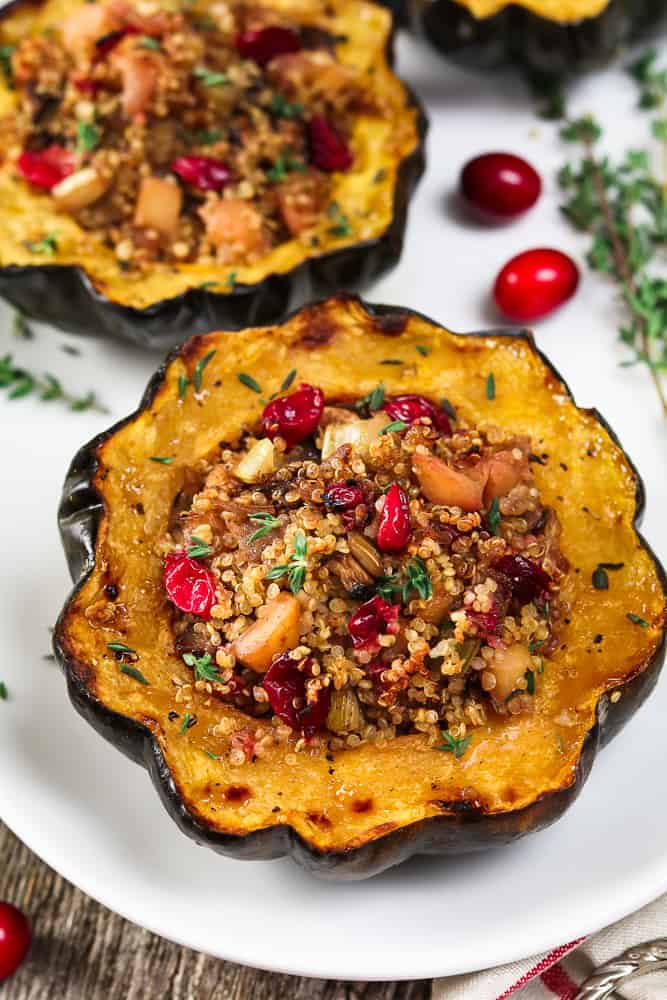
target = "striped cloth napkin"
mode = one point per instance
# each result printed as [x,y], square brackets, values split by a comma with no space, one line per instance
[558,974]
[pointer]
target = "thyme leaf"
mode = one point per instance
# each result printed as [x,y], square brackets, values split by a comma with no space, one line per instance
[452,745]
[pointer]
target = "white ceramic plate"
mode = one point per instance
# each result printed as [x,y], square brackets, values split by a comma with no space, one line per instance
[94,816]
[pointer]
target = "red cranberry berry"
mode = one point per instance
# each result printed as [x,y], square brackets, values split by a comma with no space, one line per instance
[285,684]
[395,528]
[534,283]
[527,580]
[294,417]
[411,407]
[500,185]
[264,44]
[343,496]
[47,167]
[14,939]
[85,85]
[372,619]
[189,584]
[202,172]
[328,149]
[487,622]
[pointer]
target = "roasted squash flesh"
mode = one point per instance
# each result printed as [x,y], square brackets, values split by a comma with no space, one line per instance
[562,11]
[369,794]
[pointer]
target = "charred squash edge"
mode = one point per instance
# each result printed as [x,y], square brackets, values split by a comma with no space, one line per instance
[65,296]
[465,828]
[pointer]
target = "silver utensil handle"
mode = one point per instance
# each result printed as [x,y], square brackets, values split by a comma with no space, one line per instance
[635,962]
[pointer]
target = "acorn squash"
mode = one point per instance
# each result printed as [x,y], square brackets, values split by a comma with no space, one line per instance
[361,809]
[546,38]
[78,283]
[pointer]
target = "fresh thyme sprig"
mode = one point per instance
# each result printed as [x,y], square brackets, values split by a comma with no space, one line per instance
[623,207]
[267,521]
[19,382]
[295,567]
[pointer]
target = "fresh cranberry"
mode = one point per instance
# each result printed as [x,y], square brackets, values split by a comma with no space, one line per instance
[395,528]
[285,683]
[500,185]
[534,283]
[14,939]
[411,407]
[343,496]
[202,172]
[189,584]
[527,579]
[106,44]
[374,671]
[85,85]
[328,149]
[294,417]
[47,167]
[372,619]
[264,44]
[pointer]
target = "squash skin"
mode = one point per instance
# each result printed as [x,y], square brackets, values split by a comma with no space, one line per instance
[463,823]
[543,48]
[68,296]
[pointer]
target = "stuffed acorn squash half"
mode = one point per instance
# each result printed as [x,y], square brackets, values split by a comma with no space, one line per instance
[546,38]
[173,168]
[356,587]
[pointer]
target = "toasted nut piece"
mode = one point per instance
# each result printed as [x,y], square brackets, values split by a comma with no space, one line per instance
[270,636]
[158,206]
[351,574]
[259,461]
[443,485]
[345,715]
[509,666]
[365,553]
[79,189]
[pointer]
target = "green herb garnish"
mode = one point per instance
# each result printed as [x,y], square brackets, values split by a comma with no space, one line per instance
[341,224]
[209,77]
[87,136]
[3,691]
[392,361]
[636,619]
[161,459]
[146,42]
[452,745]
[208,137]
[373,401]
[199,370]
[249,382]
[287,381]
[187,723]
[424,351]
[282,108]
[493,516]
[46,388]
[600,578]
[198,549]
[120,647]
[448,408]
[48,245]
[204,667]
[283,166]
[213,756]
[295,568]
[267,521]
[6,52]
[183,384]
[134,673]
[379,175]
[491,386]
[230,281]
[395,425]
[530,680]
[417,578]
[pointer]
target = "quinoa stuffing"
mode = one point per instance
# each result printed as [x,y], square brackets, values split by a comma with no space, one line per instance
[358,571]
[178,135]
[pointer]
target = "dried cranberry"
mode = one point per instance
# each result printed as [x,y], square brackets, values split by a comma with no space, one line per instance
[189,584]
[328,149]
[343,496]
[85,85]
[106,44]
[264,44]
[372,619]
[285,683]
[374,671]
[202,172]
[527,579]
[14,939]
[395,528]
[294,417]
[487,622]
[47,167]
[411,407]
[500,185]
[534,283]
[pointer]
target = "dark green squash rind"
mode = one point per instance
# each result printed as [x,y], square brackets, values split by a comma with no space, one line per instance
[65,296]
[467,829]
[517,37]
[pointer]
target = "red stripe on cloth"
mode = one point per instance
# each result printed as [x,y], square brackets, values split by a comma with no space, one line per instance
[542,966]
[558,981]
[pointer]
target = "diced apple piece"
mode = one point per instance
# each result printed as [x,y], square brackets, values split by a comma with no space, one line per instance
[358,433]
[270,636]
[509,666]
[158,206]
[139,72]
[236,228]
[258,461]
[504,471]
[79,189]
[443,485]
